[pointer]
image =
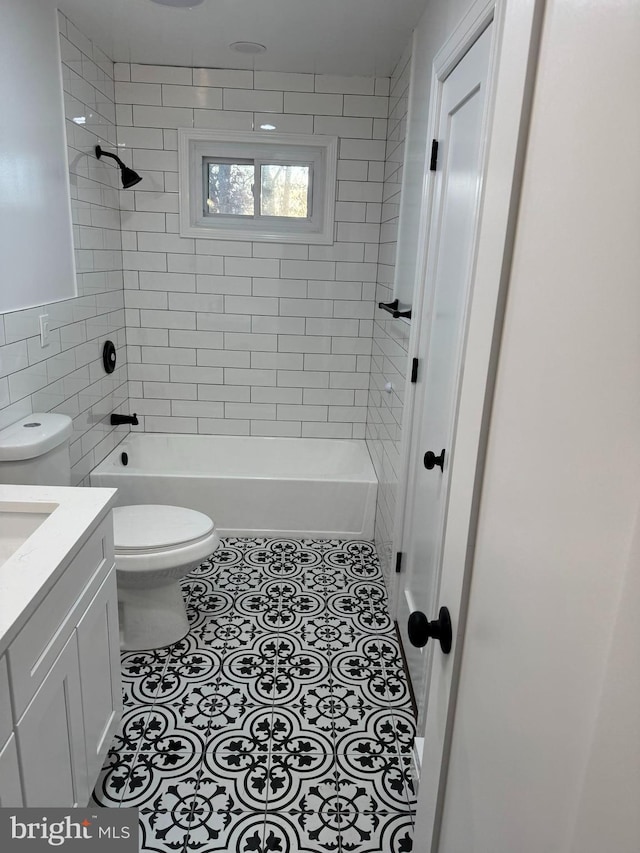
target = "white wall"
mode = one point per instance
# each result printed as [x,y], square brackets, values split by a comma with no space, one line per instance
[244,337]
[546,741]
[36,261]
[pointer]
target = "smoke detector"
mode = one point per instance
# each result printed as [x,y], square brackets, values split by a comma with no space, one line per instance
[179,4]
[248,47]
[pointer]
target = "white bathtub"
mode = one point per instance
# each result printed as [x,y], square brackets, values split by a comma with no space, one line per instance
[254,486]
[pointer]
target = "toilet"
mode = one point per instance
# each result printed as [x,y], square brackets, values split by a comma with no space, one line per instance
[155,545]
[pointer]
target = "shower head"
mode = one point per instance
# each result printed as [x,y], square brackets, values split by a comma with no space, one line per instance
[128,176]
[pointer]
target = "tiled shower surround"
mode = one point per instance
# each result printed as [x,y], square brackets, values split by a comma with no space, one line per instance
[67,375]
[249,338]
[282,722]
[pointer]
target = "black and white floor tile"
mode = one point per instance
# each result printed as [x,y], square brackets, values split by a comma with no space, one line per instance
[282,723]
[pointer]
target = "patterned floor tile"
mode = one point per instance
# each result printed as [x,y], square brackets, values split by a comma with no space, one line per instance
[137,664]
[252,731]
[294,736]
[130,732]
[113,778]
[142,689]
[241,777]
[405,726]
[299,832]
[329,708]
[376,833]
[152,771]
[165,817]
[282,722]
[179,727]
[324,579]
[375,733]
[375,688]
[375,783]
[190,666]
[225,831]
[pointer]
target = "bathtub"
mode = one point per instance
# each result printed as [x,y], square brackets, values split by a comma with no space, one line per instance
[251,486]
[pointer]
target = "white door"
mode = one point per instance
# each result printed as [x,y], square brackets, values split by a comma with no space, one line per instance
[461,130]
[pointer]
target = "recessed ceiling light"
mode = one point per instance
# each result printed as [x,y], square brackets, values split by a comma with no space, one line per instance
[248,47]
[181,4]
[267,127]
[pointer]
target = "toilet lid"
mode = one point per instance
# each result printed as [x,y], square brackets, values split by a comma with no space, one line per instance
[148,526]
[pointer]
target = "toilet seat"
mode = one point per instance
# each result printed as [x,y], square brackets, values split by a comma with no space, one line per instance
[152,538]
[147,527]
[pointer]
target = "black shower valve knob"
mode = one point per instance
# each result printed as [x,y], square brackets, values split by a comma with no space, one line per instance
[109,356]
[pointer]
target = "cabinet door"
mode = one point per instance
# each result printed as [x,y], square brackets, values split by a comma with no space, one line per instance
[6,717]
[10,792]
[99,649]
[50,736]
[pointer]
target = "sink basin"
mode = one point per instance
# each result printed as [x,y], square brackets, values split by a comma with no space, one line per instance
[18,520]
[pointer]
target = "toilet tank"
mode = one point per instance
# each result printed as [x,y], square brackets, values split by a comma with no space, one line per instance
[35,451]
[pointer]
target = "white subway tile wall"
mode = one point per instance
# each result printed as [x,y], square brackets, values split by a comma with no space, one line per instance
[390,337]
[67,375]
[240,337]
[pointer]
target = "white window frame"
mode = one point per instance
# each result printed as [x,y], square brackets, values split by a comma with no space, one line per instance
[195,147]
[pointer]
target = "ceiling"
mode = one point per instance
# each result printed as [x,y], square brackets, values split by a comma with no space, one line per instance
[346,37]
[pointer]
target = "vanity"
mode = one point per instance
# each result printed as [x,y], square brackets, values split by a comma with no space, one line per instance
[60,690]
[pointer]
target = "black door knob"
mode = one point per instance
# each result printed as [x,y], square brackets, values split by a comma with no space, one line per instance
[431,460]
[420,629]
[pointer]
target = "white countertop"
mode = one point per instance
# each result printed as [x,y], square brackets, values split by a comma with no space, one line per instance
[30,572]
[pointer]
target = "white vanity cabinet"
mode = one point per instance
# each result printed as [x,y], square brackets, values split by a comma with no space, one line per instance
[64,680]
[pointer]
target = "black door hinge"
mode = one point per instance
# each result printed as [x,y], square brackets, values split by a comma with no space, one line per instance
[414,370]
[434,156]
[398,562]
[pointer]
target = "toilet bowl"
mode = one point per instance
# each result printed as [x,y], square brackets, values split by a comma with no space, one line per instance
[155,545]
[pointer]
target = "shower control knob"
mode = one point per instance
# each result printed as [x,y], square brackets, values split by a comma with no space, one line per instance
[420,630]
[109,356]
[431,460]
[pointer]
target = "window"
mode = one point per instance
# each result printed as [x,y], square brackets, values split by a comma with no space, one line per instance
[257,186]
[256,189]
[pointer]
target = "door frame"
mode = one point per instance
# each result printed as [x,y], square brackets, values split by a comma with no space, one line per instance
[516,38]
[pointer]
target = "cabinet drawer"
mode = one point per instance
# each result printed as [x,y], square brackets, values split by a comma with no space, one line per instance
[38,644]
[6,719]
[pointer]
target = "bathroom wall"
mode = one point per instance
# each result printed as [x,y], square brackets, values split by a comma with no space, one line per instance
[67,375]
[248,337]
[390,337]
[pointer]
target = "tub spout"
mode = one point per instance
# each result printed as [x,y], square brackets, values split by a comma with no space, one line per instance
[117,420]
